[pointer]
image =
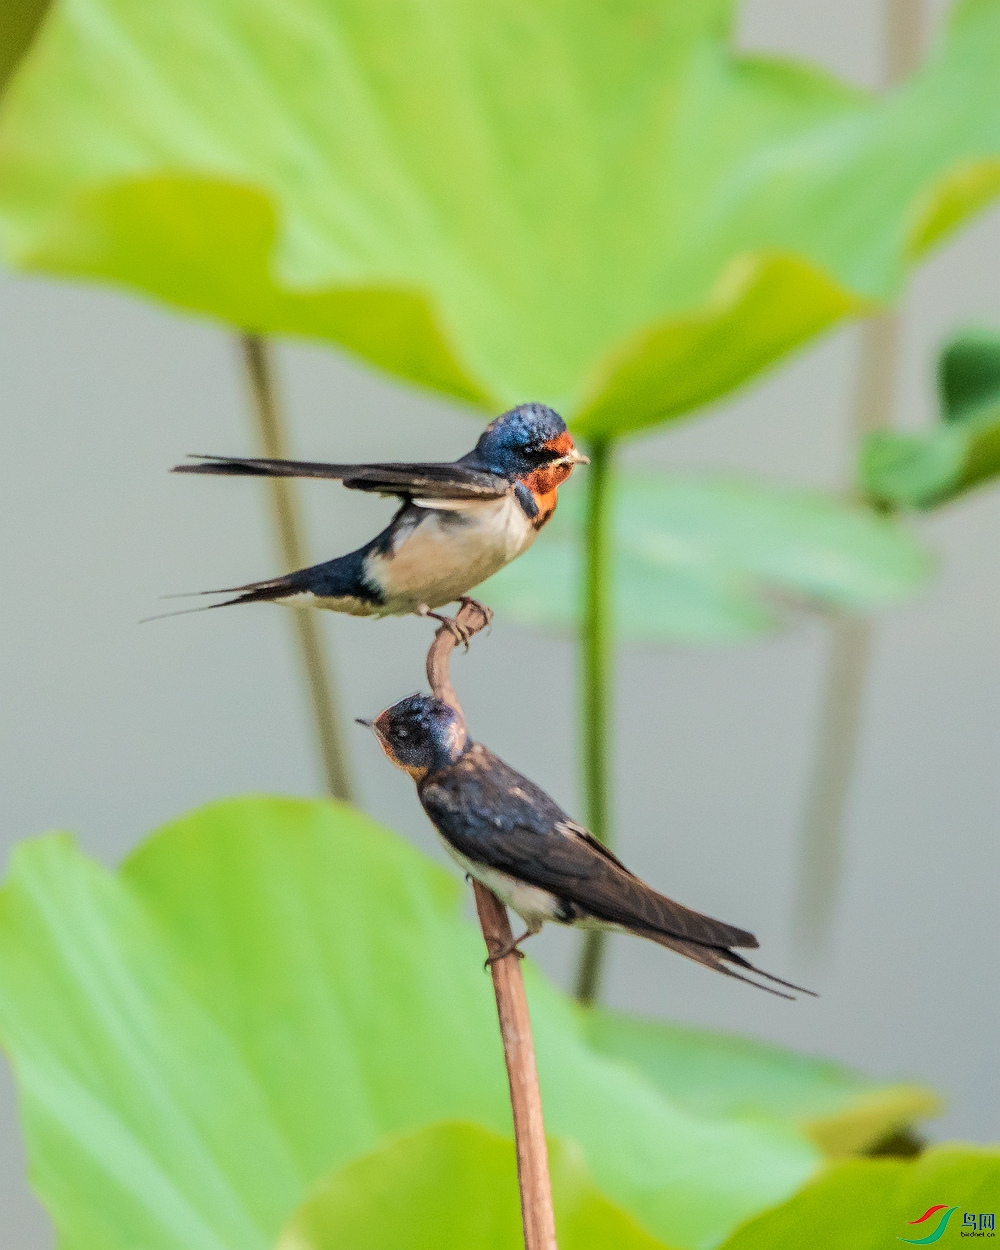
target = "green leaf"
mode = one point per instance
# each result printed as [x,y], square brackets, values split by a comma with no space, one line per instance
[871,1204]
[899,470]
[596,205]
[226,234]
[714,560]
[19,22]
[720,1075]
[265,991]
[762,306]
[958,454]
[453,1187]
[969,374]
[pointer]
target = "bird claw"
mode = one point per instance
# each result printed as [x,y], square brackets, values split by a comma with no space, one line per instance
[462,635]
[459,632]
[468,602]
[512,949]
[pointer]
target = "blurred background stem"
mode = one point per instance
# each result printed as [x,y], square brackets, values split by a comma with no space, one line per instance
[847,671]
[258,364]
[597,664]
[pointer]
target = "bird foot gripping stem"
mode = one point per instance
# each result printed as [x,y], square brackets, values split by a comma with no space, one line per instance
[513,947]
[471,617]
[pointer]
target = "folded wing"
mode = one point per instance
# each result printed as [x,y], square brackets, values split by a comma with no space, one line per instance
[494,816]
[491,813]
[573,868]
[425,481]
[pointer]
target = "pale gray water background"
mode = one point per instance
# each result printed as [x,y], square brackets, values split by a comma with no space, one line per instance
[110,728]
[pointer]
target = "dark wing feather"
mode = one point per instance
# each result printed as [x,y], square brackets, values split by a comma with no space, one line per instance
[425,481]
[493,815]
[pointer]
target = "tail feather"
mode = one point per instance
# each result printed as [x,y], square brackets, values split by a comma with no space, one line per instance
[745,963]
[717,958]
[271,590]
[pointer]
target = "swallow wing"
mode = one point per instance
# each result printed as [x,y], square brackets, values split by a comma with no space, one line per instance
[493,815]
[425,481]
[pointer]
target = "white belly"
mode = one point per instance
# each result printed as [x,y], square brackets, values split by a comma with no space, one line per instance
[533,904]
[440,554]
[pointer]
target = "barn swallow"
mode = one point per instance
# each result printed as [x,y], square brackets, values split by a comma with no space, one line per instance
[457,525]
[507,833]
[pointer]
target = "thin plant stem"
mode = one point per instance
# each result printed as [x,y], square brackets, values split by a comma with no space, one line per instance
[537,1219]
[597,662]
[822,853]
[259,368]
[904,26]
[851,643]
[846,682]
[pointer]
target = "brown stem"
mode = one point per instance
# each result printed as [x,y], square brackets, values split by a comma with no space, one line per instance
[904,38]
[260,374]
[522,1075]
[537,1219]
[470,620]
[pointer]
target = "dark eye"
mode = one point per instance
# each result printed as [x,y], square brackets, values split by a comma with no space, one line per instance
[403,733]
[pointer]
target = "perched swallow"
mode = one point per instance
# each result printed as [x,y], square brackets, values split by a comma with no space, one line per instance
[507,833]
[459,523]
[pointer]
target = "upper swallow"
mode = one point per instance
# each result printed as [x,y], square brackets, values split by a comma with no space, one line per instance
[458,523]
[510,835]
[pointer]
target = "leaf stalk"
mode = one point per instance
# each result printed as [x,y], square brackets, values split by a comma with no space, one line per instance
[259,368]
[596,672]
[847,674]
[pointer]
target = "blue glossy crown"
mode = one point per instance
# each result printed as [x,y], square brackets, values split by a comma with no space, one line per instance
[516,440]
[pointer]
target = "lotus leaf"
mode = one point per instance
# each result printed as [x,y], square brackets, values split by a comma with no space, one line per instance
[599,205]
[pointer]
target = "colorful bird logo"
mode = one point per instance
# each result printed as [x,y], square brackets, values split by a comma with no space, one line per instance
[941,1225]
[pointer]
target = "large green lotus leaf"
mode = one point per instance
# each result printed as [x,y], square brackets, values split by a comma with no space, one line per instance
[701,560]
[454,1187]
[594,204]
[717,1074]
[225,234]
[961,452]
[875,1204]
[265,991]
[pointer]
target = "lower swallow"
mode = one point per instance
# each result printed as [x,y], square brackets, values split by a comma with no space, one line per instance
[507,833]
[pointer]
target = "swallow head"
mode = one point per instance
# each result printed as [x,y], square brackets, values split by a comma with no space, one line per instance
[420,734]
[529,440]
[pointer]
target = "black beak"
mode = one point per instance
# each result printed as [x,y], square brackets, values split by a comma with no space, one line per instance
[368,724]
